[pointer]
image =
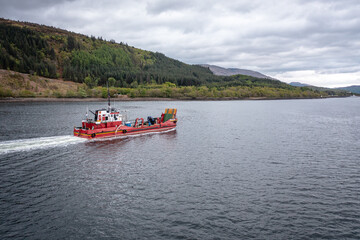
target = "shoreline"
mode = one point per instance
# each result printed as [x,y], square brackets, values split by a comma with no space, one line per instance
[11,100]
[5,100]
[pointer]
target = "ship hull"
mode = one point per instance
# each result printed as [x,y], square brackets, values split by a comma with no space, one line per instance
[123,130]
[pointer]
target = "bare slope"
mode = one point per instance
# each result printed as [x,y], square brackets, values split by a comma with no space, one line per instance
[14,84]
[220,71]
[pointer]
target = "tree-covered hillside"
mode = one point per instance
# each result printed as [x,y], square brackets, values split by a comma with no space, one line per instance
[52,52]
[55,53]
[26,51]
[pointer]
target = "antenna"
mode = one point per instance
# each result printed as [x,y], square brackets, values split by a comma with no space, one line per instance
[87,110]
[109,107]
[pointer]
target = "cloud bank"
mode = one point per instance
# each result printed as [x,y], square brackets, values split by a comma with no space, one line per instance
[315,42]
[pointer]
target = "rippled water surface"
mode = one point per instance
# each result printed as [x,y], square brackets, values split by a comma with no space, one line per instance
[286,169]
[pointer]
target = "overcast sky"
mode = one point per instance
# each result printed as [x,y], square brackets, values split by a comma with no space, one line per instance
[315,42]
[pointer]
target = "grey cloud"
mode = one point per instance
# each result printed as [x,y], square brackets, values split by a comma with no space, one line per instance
[7,5]
[160,6]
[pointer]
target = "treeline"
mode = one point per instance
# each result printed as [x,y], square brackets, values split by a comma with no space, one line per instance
[248,81]
[166,69]
[23,85]
[131,67]
[170,90]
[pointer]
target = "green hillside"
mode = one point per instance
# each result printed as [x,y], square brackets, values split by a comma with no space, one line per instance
[52,52]
[55,53]
[352,89]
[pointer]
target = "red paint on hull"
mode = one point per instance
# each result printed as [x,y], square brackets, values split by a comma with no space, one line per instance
[123,130]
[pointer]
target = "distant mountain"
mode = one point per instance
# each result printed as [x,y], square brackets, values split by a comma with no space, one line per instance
[330,91]
[353,89]
[220,71]
[299,84]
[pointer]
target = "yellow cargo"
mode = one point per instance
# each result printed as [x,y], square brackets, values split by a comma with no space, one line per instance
[169,113]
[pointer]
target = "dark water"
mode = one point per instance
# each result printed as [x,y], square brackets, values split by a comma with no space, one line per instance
[285,169]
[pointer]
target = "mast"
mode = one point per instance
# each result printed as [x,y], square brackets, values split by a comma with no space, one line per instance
[109,107]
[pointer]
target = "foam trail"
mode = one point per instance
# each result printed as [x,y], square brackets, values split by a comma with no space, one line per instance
[37,143]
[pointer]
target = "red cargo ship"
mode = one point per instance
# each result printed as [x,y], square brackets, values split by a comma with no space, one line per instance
[110,123]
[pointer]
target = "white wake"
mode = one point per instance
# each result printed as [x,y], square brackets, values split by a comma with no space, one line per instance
[37,143]
[55,141]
